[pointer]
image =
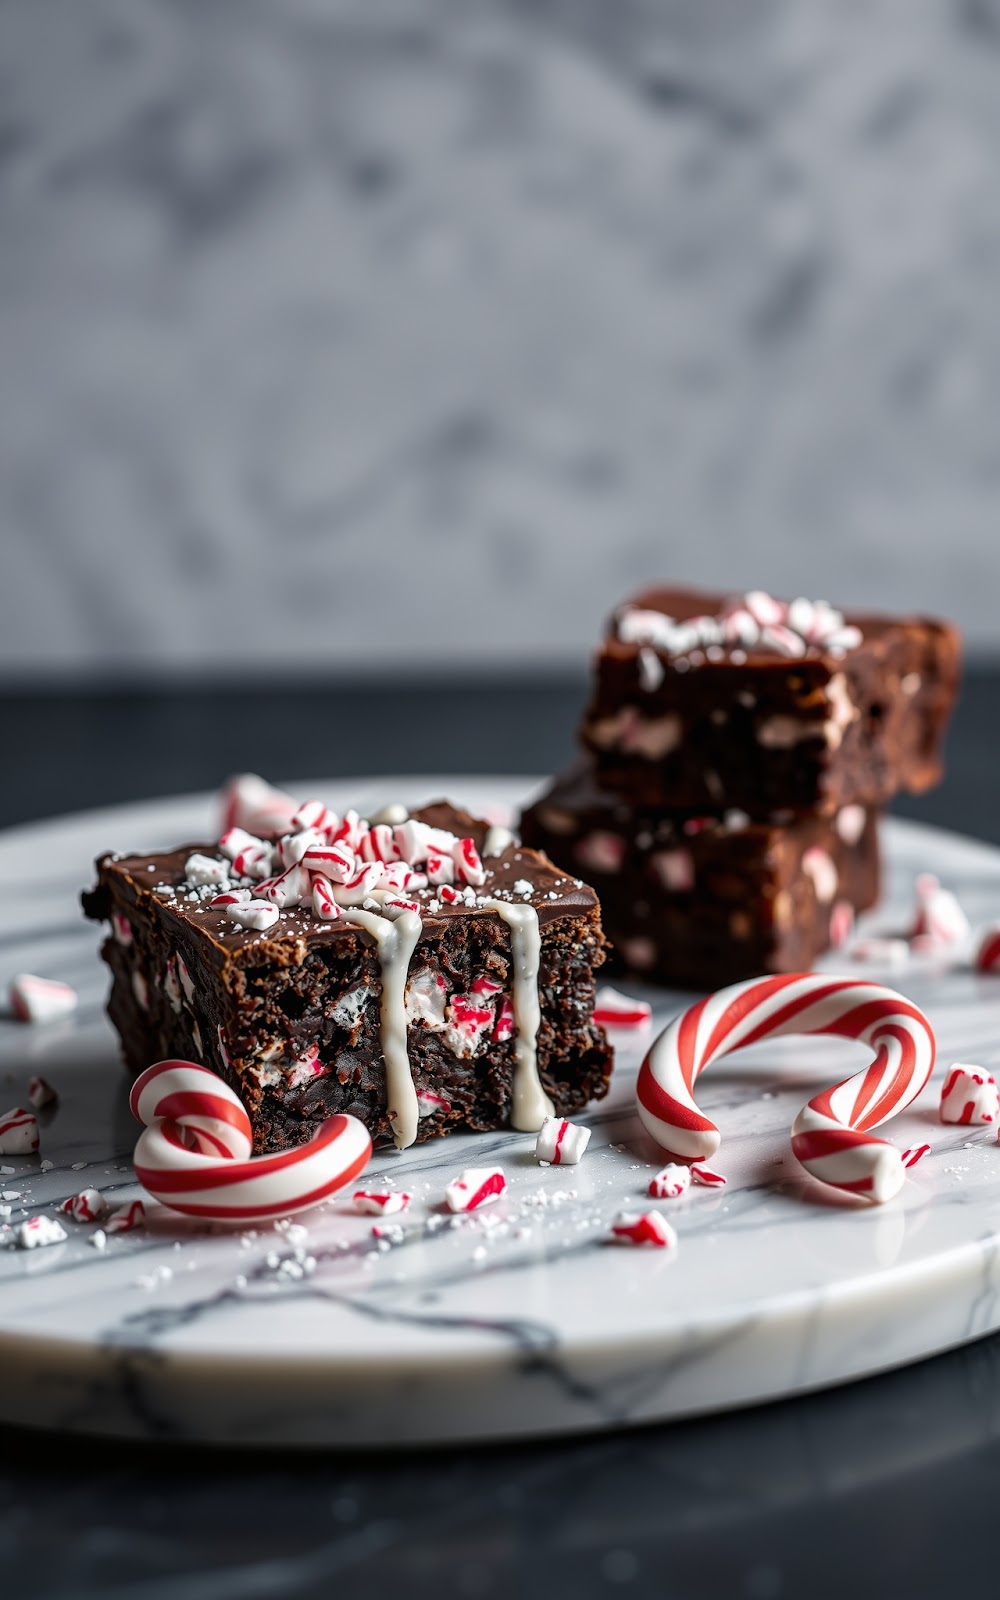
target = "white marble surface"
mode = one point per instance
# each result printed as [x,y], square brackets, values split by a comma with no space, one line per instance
[475,315]
[529,1324]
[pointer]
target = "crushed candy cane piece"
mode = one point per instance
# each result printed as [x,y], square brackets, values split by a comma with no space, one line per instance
[707,1178]
[970,1094]
[428,1103]
[914,1153]
[671,1181]
[381,1202]
[35,999]
[200,870]
[644,1228]
[475,1187]
[612,1009]
[254,914]
[86,1206]
[127,1218]
[468,864]
[248,801]
[938,918]
[37,1232]
[560,1142]
[41,1094]
[18,1132]
[987,957]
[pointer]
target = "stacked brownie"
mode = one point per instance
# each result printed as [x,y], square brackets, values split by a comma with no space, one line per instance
[737,754]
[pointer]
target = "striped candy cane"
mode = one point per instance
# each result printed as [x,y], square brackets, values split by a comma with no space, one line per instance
[195,1154]
[831,1135]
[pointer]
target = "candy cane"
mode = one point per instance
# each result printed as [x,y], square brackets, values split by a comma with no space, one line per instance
[196,1155]
[831,1135]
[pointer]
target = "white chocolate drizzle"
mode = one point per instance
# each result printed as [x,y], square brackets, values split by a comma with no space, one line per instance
[530,1104]
[395,939]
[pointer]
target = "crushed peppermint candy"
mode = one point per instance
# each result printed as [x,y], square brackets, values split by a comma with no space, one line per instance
[475,1187]
[938,921]
[86,1206]
[670,1182]
[37,1232]
[644,1228]
[127,1218]
[987,956]
[561,1143]
[612,1009]
[41,1094]
[707,1178]
[18,1132]
[969,1094]
[34,999]
[381,1202]
[754,620]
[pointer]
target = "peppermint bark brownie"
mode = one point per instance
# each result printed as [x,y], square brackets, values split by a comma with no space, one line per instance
[697,900]
[424,973]
[769,706]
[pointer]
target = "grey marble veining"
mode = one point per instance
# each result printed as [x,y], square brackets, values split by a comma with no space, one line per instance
[436,325]
[520,1320]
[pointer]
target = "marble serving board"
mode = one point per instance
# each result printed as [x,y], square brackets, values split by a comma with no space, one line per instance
[523,1319]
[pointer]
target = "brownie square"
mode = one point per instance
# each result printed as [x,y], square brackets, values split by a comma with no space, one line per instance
[425,996]
[700,900]
[703,701]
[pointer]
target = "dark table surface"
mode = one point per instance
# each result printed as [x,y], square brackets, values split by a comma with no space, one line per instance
[883,1488]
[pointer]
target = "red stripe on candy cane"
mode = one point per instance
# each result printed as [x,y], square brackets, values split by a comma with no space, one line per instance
[831,1136]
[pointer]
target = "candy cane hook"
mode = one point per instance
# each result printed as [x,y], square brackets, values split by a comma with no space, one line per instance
[831,1135]
[196,1153]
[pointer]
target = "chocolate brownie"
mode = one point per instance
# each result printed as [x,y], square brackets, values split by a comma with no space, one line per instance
[418,1006]
[769,706]
[701,900]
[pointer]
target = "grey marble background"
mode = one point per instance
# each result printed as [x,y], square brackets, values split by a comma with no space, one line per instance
[341,332]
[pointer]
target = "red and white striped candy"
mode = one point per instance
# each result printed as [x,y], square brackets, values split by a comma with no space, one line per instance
[503,1028]
[196,1152]
[468,864]
[293,846]
[831,1135]
[913,1154]
[335,861]
[127,1218]
[258,914]
[645,1227]
[987,957]
[314,814]
[324,905]
[40,999]
[249,802]
[938,919]
[612,1009]
[561,1143]
[475,1187]
[381,1202]
[440,868]
[87,1206]
[18,1132]
[707,1178]
[670,1182]
[970,1094]
[41,1094]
